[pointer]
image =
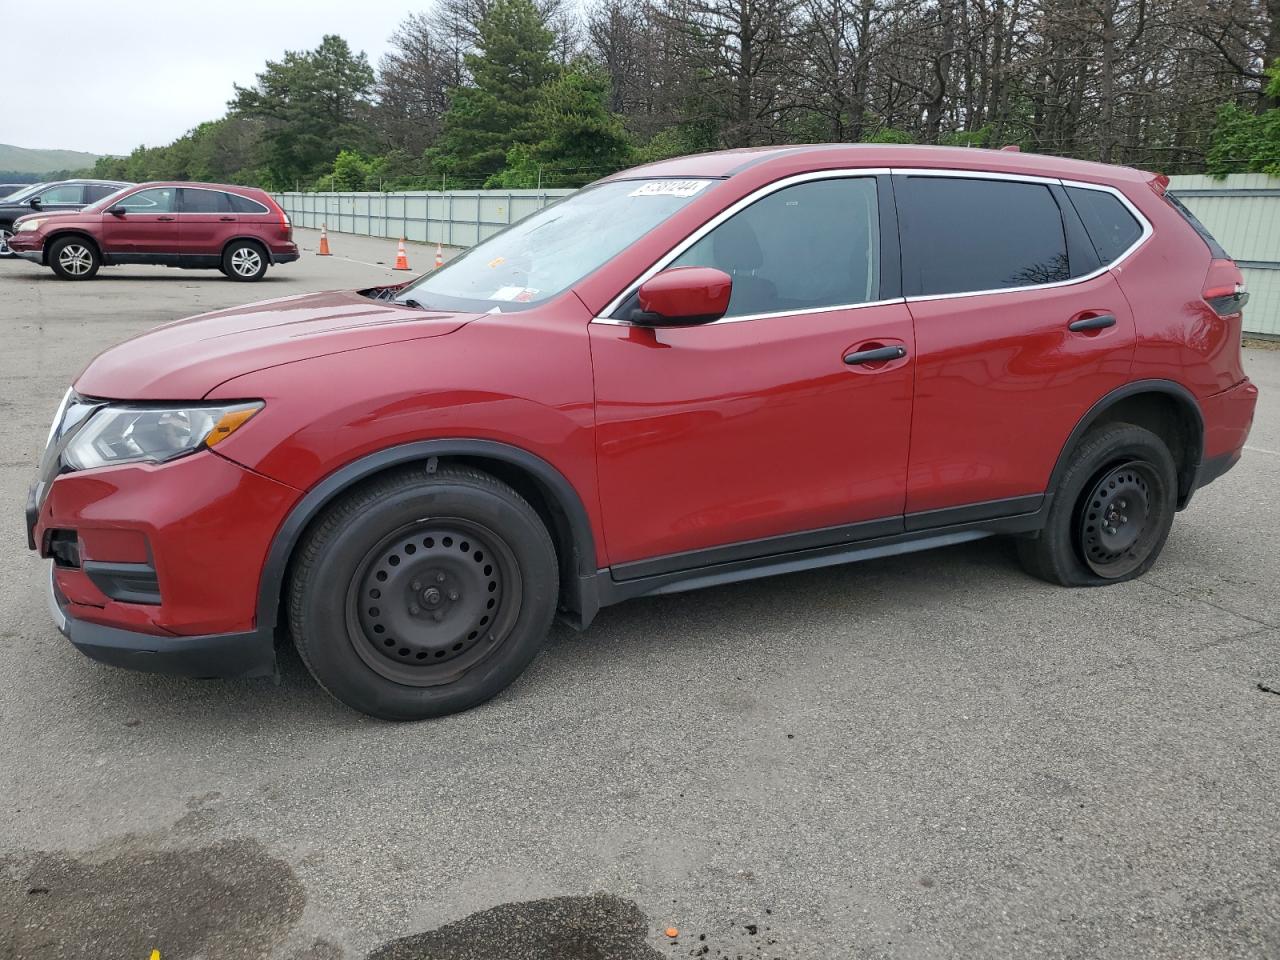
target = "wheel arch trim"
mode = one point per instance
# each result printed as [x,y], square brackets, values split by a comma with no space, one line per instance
[1185,400]
[319,496]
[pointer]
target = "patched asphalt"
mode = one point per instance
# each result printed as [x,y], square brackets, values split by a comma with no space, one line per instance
[930,756]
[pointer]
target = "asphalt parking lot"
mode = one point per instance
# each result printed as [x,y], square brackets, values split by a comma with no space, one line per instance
[930,756]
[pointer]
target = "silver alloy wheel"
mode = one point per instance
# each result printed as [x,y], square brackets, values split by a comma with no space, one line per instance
[4,241]
[76,259]
[246,261]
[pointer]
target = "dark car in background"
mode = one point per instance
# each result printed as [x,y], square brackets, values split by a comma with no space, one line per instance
[210,226]
[8,189]
[57,196]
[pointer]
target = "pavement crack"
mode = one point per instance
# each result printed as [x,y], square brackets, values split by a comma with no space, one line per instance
[1271,687]
[1209,603]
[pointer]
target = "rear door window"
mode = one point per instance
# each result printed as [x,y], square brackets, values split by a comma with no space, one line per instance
[968,235]
[204,201]
[96,191]
[810,246]
[1111,227]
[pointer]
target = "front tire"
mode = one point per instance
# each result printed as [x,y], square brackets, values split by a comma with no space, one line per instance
[6,231]
[423,594]
[74,258]
[245,261]
[1110,515]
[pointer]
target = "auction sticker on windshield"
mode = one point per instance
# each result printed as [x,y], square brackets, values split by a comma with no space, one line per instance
[669,188]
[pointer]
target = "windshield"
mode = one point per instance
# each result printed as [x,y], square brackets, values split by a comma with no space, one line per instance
[548,252]
[106,201]
[25,192]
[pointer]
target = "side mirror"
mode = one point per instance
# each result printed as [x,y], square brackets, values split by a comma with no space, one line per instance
[34,203]
[684,296]
[117,211]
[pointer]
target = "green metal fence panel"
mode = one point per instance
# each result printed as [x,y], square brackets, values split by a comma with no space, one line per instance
[459,218]
[1243,212]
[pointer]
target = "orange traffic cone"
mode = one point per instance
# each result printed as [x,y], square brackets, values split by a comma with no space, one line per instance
[402,259]
[324,241]
[439,257]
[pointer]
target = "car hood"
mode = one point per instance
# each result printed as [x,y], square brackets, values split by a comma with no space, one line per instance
[186,359]
[44,214]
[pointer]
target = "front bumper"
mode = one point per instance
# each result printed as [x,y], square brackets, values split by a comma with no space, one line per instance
[225,655]
[29,246]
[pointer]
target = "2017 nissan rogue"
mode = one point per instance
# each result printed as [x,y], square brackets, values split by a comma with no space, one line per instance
[703,370]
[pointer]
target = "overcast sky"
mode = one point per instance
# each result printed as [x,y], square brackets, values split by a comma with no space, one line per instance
[115,75]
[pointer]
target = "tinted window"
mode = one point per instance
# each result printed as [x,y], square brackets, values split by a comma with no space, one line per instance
[204,201]
[94,192]
[961,236]
[244,205]
[64,193]
[155,200]
[804,247]
[1214,246]
[1111,226]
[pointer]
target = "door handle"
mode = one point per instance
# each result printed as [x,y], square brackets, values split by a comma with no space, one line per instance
[1092,323]
[227,219]
[164,219]
[879,354]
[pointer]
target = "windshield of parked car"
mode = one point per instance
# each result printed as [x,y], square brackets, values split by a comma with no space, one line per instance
[25,192]
[551,250]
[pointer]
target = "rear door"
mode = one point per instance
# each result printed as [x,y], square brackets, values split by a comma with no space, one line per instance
[1019,330]
[144,226]
[206,222]
[752,436]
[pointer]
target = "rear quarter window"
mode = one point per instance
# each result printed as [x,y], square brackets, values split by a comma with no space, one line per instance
[241,204]
[1110,225]
[1211,242]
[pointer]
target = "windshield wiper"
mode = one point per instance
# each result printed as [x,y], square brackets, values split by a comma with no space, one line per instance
[413,303]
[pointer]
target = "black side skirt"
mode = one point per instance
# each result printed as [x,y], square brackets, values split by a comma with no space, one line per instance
[819,548]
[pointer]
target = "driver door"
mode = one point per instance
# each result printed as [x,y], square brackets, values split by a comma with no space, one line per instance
[146,229]
[751,436]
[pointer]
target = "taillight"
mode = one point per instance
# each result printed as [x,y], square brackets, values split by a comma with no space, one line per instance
[1224,288]
[285,225]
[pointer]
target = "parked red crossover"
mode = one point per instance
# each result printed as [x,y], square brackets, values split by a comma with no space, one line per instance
[238,230]
[703,370]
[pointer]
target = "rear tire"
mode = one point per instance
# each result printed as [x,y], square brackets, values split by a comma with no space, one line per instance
[74,258]
[423,594]
[1110,515]
[245,261]
[6,231]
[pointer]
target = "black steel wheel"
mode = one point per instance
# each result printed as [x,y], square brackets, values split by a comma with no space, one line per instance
[1111,512]
[433,599]
[423,592]
[1115,532]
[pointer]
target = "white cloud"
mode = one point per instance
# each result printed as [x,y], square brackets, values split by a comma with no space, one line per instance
[87,75]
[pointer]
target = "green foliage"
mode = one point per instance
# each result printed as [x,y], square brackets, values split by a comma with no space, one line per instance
[1245,142]
[579,139]
[678,141]
[222,151]
[510,70]
[965,138]
[891,135]
[311,105]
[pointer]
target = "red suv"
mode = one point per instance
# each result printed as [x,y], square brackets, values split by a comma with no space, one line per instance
[238,230]
[704,370]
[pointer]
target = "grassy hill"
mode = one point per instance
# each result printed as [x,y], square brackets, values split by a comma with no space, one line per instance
[23,160]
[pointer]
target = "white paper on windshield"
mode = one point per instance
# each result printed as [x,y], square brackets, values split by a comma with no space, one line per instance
[516,294]
[668,188]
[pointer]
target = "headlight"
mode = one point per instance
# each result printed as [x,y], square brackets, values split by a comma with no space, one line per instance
[26,225]
[132,433]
